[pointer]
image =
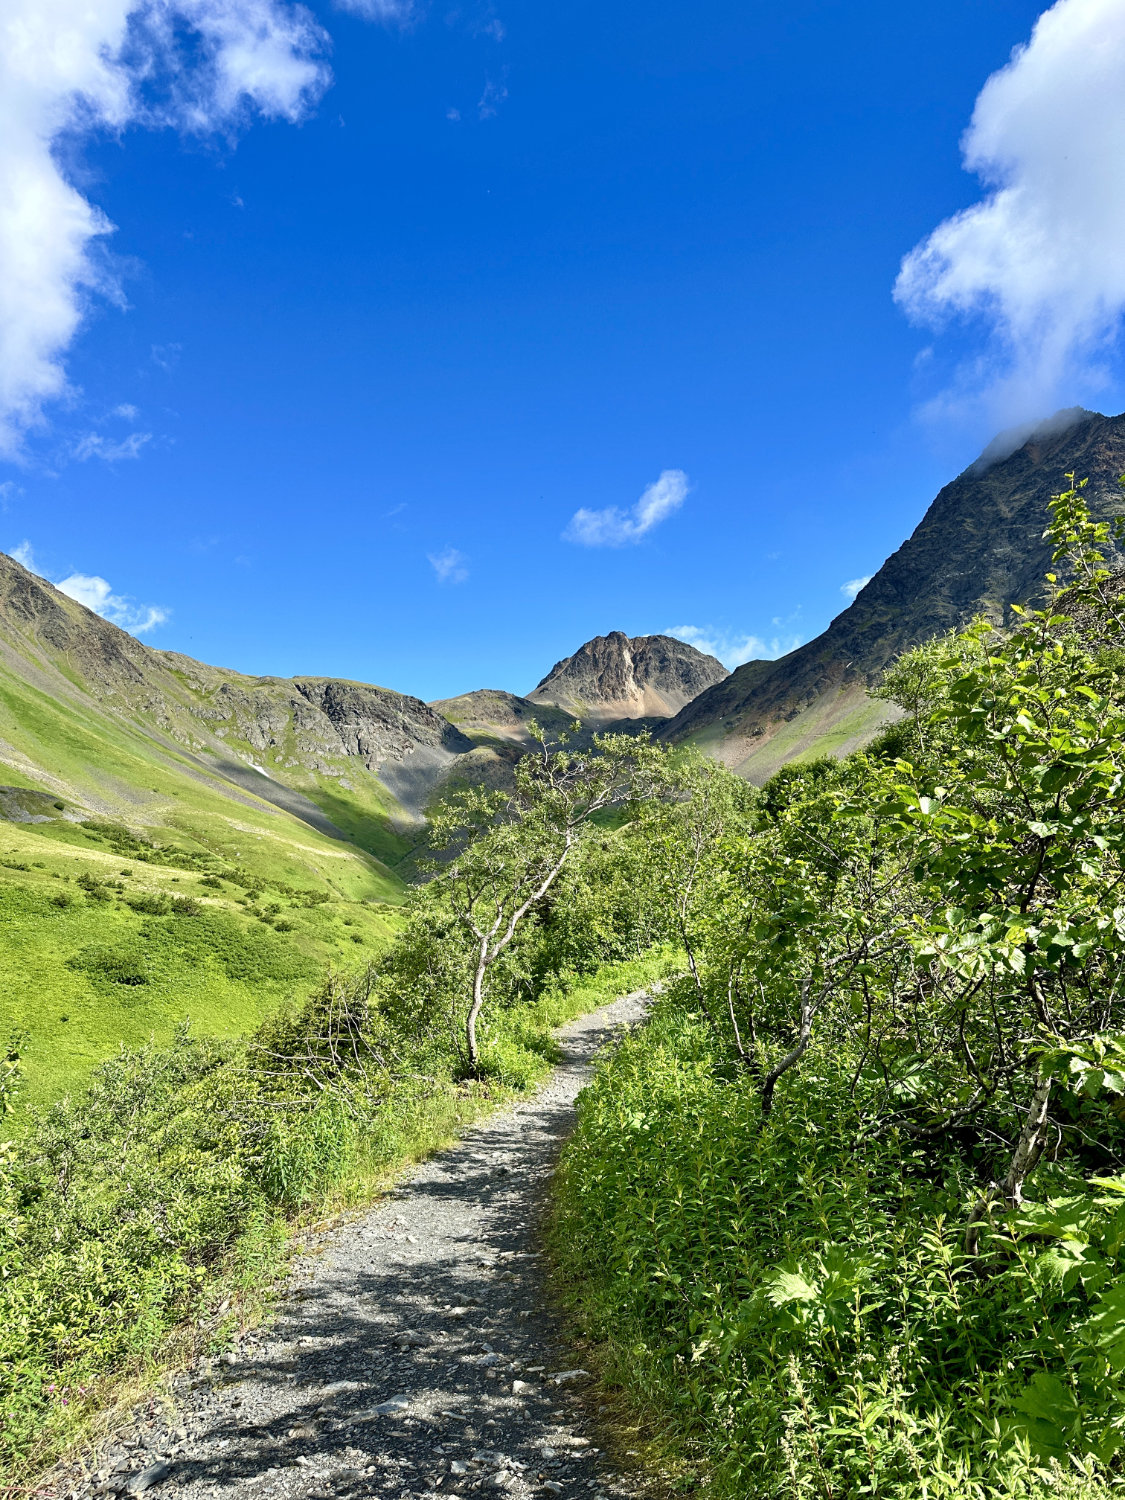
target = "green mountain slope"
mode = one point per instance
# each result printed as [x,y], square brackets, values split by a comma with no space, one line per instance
[181,842]
[114,728]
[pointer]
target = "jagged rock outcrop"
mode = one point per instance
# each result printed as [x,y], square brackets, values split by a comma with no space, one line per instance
[616,677]
[978,550]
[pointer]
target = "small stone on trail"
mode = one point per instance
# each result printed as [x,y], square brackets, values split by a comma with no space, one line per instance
[565,1376]
[396,1403]
[147,1478]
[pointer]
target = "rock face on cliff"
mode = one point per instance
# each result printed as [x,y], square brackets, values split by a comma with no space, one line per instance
[616,677]
[978,550]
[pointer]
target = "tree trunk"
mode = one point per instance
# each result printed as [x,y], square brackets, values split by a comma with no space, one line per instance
[475,1008]
[1029,1148]
[791,1059]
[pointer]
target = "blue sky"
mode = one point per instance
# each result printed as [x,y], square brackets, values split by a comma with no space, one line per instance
[348,375]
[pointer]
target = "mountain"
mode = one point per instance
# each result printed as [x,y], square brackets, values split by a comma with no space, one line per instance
[615,677]
[491,716]
[978,549]
[94,720]
[95,725]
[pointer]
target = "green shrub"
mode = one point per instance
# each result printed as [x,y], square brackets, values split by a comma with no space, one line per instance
[96,890]
[150,903]
[116,965]
[801,1315]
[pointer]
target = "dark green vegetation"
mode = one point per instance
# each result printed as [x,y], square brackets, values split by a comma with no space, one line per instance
[848,1218]
[133,1213]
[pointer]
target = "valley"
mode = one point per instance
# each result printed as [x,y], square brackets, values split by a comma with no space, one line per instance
[236,997]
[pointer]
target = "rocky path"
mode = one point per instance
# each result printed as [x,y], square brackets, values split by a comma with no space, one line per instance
[413,1356]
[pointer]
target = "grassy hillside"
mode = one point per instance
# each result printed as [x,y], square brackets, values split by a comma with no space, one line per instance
[107,939]
[112,728]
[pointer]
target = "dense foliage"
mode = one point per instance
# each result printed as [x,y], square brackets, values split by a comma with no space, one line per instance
[137,1209]
[850,1215]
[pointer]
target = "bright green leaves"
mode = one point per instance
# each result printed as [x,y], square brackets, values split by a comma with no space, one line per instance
[1090,1066]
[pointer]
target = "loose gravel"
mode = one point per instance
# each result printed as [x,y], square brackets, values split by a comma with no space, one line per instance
[414,1355]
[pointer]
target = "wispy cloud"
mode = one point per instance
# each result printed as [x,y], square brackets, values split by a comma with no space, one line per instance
[9,489]
[94,445]
[166,356]
[490,101]
[97,594]
[1037,264]
[853,586]
[734,649]
[616,528]
[390,12]
[449,565]
[127,411]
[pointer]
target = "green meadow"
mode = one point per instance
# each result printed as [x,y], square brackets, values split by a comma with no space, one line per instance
[106,940]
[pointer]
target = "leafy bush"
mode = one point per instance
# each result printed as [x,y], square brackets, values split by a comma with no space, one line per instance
[150,903]
[850,1217]
[116,965]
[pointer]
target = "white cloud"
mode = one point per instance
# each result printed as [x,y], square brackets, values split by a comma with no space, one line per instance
[853,586]
[93,445]
[391,12]
[615,527]
[126,410]
[9,489]
[96,594]
[449,565]
[733,650]
[1039,259]
[72,67]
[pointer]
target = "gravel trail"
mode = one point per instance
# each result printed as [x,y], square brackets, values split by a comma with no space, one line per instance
[414,1355]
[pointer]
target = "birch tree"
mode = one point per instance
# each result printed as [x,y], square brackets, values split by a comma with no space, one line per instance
[504,850]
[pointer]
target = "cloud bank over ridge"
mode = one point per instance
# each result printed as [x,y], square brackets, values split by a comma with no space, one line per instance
[97,594]
[1038,261]
[734,650]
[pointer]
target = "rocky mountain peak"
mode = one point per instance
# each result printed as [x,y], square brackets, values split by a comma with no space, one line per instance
[616,676]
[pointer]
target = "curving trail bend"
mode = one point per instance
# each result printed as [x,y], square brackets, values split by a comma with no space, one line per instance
[414,1354]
